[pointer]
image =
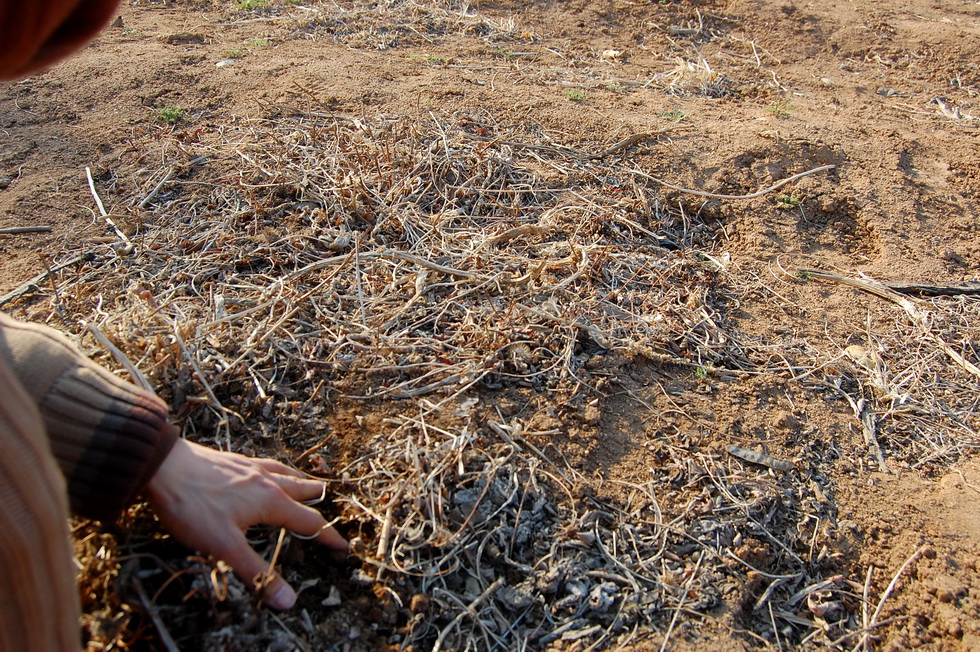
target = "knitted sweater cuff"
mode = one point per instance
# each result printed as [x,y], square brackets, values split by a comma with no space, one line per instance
[108,436]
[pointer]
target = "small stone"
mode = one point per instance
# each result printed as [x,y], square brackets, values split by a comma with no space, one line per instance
[859,354]
[333,598]
[419,603]
[591,415]
[358,576]
[516,598]
[929,552]
[786,419]
[577,588]
[340,243]
[473,589]
[826,204]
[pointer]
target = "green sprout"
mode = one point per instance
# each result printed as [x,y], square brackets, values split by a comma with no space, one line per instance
[675,114]
[575,94]
[504,53]
[701,372]
[787,202]
[170,115]
[780,109]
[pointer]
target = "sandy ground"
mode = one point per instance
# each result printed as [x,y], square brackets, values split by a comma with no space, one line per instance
[737,96]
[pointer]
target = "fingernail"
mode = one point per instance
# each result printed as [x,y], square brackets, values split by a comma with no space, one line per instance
[284,598]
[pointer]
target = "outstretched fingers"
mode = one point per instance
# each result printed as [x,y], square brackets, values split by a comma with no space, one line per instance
[252,568]
[307,523]
[207,499]
[274,466]
[295,483]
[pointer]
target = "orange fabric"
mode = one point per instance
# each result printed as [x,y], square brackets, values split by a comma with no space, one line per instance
[35,34]
[68,428]
[38,600]
[39,605]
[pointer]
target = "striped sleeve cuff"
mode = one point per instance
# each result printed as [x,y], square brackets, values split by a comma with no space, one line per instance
[108,436]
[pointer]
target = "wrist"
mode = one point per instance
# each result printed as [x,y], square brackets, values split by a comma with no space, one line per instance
[159,488]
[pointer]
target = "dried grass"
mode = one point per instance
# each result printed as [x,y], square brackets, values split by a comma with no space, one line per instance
[392,23]
[415,267]
[693,77]
[909,361]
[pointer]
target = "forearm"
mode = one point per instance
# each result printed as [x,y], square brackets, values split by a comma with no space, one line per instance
[108,436]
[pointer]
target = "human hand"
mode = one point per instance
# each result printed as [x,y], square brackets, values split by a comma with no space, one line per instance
[207,499]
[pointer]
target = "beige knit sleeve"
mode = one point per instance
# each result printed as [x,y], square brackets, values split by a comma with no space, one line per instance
[108,436]
[39,605]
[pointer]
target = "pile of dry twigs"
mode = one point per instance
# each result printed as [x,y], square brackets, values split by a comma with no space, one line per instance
[420,269]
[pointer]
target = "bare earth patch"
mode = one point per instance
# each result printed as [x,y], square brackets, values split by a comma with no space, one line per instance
[595,316]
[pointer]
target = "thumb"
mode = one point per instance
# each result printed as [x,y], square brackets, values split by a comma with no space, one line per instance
[250,567]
